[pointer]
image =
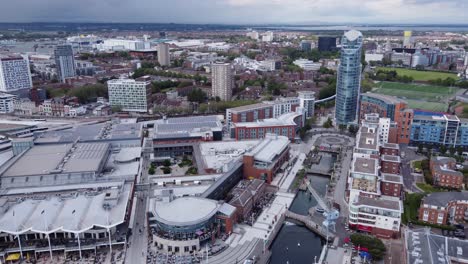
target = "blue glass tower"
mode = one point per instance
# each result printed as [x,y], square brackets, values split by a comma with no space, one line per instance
[348,82]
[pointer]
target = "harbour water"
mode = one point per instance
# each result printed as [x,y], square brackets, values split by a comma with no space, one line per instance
[295,244]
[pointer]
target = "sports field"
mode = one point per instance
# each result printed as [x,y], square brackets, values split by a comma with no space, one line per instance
[420,75]
[418,96]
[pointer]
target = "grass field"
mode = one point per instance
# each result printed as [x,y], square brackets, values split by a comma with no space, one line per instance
[418,96]
[420,75]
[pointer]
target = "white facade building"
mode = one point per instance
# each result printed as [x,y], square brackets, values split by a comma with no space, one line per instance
[25,107]
[222,81]
[123,44]
[384,128]
[253,35]
[268,36]
[14,74]
[129,95]
[7,103]
[307,65]
[307,101]
[163,54]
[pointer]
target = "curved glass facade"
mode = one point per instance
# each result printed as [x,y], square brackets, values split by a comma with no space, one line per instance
[348,81]
[175,232]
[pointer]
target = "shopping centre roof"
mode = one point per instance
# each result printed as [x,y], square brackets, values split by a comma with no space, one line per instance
[185,211]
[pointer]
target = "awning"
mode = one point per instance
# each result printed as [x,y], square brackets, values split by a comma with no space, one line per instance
[13,256]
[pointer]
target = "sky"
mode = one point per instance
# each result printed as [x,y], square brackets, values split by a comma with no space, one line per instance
[237,11]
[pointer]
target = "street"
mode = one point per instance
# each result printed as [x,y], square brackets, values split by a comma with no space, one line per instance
[408,178]
[138,241]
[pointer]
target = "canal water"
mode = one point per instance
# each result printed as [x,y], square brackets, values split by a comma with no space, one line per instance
[295,244]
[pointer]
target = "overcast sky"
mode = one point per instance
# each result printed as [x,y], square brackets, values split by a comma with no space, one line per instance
[236,11]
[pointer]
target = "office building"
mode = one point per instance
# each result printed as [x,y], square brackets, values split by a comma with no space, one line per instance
[130,95]
[222,81]
[327,44]
[15,74]
[7,103]
[163,54]
[65,62]
[348,82]
[123,44]
[306,45]
[407,39]
[253,35]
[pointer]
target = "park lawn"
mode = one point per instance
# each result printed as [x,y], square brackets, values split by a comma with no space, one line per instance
[417,164]
[411,206]
[429,106]
[420,75]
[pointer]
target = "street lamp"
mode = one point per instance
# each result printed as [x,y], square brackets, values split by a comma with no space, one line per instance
[47,232]
[18,236]
[108,230]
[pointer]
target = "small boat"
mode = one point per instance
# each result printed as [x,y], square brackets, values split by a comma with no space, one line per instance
[319,210]
[299,244]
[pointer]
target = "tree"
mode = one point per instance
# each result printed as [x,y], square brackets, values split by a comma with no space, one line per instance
[151,170]
[452,151]
[375,246]
[353,129]
[116,108]
[196,95]
[419,67]
[166,163]
[166,170]
[443,149]
[459,151]
[328,123]
[342,127]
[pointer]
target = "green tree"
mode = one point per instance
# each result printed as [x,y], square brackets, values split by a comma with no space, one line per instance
[353,129]
[420,148]
[328,123]
[376,246]
[151,170]
[452,151]
[196,95]
[166,163]
[442,149]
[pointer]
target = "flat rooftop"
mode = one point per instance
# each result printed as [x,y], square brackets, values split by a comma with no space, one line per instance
[269,148]
[380,203]
[283,120]
[46,159]
[186,126]
[216,154]
[391,146]
[388,177]
[390,158]
[185,211]
[365,165]
[364,185]
[367,139]
[74,212]
[92,132]
[248,107]
[443,198]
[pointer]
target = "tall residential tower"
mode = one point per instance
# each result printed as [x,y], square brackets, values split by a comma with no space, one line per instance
[15,74]
[348,82]
[222,81]
[65,62]
[163,54]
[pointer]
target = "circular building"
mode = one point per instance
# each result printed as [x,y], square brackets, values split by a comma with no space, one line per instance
[180,225]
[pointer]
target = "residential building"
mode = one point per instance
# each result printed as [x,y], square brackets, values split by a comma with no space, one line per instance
[438,129]
[327,44]
[245,195]
[25,107]
[267,158]
[15,75]
[307,102]
[378,216]
[348,82]
[407,39]
[268,36]
[390,164]
[390,149]
[7,103]
[222,81]
[163,54]
[64,62]
[444,173]
[391,184]
[444,207]
[285,125]
[253,35]
[130,95]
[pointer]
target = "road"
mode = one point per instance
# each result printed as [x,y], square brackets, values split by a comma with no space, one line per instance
[408,178]
[138,241]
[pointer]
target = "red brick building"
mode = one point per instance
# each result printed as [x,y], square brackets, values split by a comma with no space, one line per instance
[390,149]
[245,195]
[391,184]
[265,160]
[444,173]
[444,207]
[390,164]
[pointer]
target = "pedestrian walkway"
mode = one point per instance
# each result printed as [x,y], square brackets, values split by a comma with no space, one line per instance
[317,197]
[312,225]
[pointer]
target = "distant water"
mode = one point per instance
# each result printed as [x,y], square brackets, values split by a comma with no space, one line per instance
[444,28]
[285,249]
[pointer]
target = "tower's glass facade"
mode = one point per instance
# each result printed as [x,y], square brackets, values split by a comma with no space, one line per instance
[348,82]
